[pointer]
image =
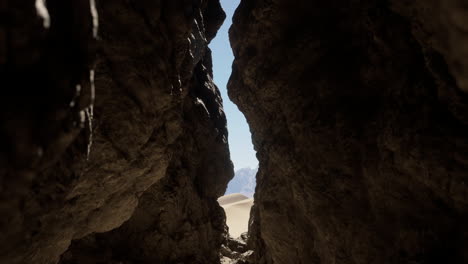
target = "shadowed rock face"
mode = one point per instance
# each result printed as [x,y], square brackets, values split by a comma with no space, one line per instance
[359,116]
[95,133]
[113,141]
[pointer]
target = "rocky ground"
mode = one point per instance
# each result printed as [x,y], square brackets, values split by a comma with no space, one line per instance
[237,251]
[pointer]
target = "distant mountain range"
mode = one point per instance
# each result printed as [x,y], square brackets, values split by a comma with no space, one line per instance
[243,182]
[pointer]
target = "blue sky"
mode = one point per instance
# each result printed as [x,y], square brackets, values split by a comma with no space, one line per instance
[240,141]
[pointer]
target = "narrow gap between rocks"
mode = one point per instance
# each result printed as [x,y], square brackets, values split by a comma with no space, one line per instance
[238,198]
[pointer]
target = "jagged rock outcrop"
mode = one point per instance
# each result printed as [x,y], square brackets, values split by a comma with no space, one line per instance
[237,251]
[358,112]
[103,126]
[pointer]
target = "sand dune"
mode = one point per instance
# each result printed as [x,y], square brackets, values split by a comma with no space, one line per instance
[231,198]
[237,208]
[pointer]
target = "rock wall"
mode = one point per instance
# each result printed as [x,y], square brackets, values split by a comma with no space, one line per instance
[110,114]
[358,112]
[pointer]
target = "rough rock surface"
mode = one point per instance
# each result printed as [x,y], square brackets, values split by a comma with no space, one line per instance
[91,130]
[359,115]
[236,251]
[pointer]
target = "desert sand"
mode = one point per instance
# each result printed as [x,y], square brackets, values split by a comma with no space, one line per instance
[237,208]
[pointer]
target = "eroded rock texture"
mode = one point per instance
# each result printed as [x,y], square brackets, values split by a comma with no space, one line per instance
[95,133]
[359,116]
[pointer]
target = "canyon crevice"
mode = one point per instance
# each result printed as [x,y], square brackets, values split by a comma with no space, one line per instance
[358,112]
[113,139]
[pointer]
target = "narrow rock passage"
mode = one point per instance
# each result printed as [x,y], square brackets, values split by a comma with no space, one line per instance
[114,139]
[237,200]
